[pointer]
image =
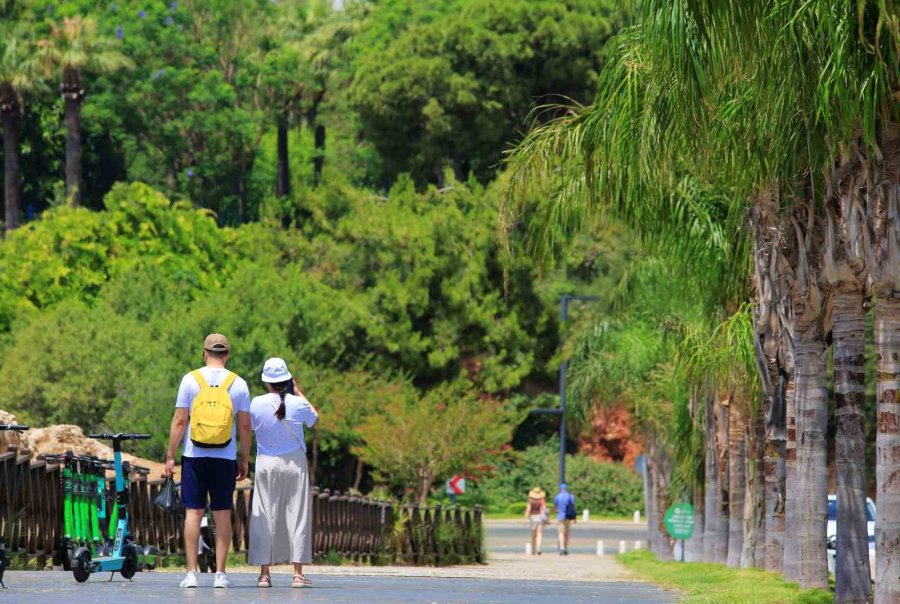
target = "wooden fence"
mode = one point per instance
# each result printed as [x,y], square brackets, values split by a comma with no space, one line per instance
[439,536]
[31,512]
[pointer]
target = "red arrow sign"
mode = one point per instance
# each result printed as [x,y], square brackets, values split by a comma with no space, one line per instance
[457,484]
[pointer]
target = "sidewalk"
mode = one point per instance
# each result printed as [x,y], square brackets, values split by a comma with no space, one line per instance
[520,567]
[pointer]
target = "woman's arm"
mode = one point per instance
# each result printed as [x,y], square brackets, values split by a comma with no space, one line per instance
[309,416]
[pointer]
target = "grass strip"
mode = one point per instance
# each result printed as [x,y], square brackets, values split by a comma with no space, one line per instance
[717,584]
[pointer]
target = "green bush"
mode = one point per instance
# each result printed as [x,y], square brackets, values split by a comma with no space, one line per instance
[517,508]
[603,488]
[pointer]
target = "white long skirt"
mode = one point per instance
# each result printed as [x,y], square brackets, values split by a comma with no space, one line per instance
[281,519]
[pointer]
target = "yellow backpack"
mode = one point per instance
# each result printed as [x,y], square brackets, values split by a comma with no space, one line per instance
[212,413]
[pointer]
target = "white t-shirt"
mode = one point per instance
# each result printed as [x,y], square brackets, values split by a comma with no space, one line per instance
[273,437]
[240,399]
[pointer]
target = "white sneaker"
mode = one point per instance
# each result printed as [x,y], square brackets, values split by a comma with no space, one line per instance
[222,580]
[190,579]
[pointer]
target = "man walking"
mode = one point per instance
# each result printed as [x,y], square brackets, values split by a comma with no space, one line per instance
[213,405]
[564,504]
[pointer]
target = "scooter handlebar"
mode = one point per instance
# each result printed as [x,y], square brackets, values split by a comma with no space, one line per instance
[16,427]
[120,436]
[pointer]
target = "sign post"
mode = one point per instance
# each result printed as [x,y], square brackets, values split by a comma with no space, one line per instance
[456,486]
[679,521]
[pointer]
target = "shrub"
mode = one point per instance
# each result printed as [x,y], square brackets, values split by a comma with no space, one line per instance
[603,488]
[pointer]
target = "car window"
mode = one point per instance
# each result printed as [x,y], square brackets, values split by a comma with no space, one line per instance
[832,511]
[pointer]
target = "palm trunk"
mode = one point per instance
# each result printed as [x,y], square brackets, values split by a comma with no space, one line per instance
[755,503]
[722,463]
[775,484]
[812,466]
[659,468]
[664,551]
[652,501]
[737,461]
[662,470]
[693,547]
[283,179]
[711,494]
[852,579]
[73,96]
[11,169]
[887,450]
[791,565]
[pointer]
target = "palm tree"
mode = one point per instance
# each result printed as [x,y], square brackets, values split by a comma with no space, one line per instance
[846,273]
[711,475]
[17,76]
[72,49]
[882,200]
[743,96]
[769,311]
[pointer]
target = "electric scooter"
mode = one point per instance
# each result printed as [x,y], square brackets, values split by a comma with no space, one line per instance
[10,488]
[124,556]
[84,503]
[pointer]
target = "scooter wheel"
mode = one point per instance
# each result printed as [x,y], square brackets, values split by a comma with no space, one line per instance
[203,562]
[130,562]
[81,564]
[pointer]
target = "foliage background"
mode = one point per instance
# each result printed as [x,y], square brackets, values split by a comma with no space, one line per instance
[382,280]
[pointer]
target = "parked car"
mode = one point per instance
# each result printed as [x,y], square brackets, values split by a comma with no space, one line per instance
[831,532]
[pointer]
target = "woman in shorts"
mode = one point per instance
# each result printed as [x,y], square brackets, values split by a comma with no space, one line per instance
[536,514]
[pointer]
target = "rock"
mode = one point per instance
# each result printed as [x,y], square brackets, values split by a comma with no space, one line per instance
[9,438]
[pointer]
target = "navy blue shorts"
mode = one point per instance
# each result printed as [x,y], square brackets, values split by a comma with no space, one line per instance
[207,476]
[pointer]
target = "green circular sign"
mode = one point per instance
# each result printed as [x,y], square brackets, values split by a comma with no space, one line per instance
[680,521]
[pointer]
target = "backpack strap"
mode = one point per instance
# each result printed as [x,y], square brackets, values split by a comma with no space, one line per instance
[228,381]
[199,377]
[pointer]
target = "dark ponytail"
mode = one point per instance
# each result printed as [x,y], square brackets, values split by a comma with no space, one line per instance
[282,389]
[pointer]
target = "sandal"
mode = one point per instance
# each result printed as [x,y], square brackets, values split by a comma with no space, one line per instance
[300,581]
[264,581]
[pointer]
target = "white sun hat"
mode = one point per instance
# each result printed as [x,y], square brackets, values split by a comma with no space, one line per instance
[275,370]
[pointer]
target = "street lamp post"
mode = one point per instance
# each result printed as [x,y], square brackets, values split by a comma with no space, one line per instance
[561,410]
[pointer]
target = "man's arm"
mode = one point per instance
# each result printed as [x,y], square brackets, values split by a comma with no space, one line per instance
[176,433]
[243,419]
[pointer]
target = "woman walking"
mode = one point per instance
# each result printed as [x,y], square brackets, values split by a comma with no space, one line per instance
[536,512]
[281,519]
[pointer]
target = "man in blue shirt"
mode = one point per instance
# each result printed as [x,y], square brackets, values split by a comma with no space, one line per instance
[564,504]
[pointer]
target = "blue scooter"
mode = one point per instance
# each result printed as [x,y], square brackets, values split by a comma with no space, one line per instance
[124,556]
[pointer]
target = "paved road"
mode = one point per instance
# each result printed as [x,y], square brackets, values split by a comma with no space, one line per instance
[511,536]
[152,588]
[509,578]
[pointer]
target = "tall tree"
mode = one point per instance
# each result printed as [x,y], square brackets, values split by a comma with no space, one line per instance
[845,271]
[882,203]
[450,93]
[18,75]
[74,48]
